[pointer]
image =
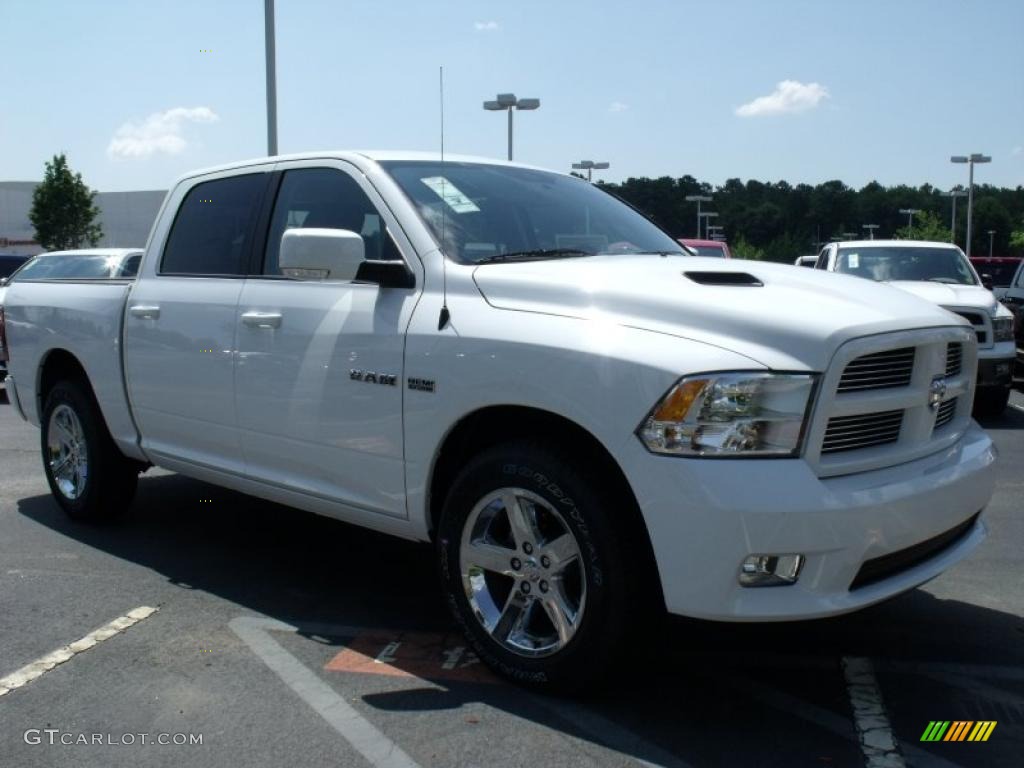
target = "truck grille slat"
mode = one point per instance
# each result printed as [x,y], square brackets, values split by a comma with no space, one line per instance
[954,359]
[945,413]
[881,370]
[847,433]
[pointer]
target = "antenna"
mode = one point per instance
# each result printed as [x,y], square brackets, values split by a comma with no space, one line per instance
[445,315]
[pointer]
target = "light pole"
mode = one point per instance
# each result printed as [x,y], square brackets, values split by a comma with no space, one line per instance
[698,199]
[953,194]
[871,229]
[509,102]
[977,157]
[708,215]
[991,236]
[268,20]
[588,166]
[910,218]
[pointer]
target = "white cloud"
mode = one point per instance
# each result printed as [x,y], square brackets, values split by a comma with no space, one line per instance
[486,26]
[789,96]
[1017,150]
[160,132]
[617,106]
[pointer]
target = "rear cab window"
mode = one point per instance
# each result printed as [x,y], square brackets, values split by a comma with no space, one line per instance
[213,230]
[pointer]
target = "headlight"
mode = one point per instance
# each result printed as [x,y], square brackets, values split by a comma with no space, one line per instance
[1002,328]
[731,414]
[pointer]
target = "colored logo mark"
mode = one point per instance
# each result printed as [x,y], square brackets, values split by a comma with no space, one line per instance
[958,730]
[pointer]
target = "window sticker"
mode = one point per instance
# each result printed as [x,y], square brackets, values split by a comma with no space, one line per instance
[854,260]
[451,194]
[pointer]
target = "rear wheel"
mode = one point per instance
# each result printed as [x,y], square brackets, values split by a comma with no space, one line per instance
[88,476]
[534,567]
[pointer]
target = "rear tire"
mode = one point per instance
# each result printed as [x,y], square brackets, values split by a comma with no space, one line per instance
[88,476]
[990,402]
[547,601]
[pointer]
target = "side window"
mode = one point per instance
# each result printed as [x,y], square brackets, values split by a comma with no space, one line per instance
[1020,275]
[327,198]
[214,227]
[822,262]
[130,268]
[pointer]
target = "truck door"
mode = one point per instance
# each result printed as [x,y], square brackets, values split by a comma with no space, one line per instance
[179,337]
[319,377]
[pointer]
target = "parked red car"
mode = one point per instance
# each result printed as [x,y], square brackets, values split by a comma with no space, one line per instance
[715,248]
[996,272]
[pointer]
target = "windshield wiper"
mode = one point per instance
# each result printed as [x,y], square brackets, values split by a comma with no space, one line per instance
[539,253]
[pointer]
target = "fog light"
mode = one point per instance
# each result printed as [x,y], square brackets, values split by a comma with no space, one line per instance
[770,570]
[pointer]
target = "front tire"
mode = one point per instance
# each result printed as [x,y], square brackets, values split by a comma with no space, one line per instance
[88,476]
[990,402]
[533,562]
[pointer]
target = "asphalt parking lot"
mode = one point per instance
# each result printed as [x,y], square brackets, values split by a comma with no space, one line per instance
[282,638]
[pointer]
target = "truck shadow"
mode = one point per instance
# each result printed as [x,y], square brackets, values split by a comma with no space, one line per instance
[690,693]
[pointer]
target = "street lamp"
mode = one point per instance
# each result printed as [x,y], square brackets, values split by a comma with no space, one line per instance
[698,199]
[910,218]
[991,235]
[708,215]
[953,194]
[588,166]
[268,28]
[509,102]
[871,229]
[977,157]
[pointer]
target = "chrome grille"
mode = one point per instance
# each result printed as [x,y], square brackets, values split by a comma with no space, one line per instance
[945,413]
[978,321]
[892,368]
[954,358]
[849,433]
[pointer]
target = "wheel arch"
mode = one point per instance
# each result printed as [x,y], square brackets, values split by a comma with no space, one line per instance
[493,425]
[56,365]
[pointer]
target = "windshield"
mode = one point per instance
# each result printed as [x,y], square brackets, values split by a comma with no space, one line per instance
[69,266]
[498,213]
[886,263]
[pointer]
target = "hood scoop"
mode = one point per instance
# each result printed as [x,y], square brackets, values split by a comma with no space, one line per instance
[724,278]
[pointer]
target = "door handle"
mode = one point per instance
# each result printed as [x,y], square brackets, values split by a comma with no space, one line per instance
[262,319]
[150,311]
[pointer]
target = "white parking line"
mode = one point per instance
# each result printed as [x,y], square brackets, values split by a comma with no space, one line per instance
[377,748]
[39,667]
[877,741]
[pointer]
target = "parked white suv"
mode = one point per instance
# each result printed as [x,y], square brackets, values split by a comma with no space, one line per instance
[941,273]
[587,422]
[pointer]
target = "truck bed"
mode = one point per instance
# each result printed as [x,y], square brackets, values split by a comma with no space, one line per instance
[83,318]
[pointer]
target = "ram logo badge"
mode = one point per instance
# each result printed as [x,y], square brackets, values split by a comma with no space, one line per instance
[372,377]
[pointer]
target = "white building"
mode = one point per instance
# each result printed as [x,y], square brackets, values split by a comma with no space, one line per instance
[126,217]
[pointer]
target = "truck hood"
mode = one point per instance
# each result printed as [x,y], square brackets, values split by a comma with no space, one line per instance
[796,318]
[947,295]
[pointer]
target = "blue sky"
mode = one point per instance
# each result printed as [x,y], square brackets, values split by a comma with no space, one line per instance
[878,90]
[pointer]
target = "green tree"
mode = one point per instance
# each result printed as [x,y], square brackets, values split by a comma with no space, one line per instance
[63,209]
[927,226]
[742,249]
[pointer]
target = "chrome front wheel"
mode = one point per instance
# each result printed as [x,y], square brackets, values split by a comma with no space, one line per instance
[522,572]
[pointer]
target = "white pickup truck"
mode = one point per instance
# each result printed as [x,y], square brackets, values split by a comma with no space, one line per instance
[941,273]
[586,422]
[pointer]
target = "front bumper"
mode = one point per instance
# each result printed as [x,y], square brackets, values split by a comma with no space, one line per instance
[705,516]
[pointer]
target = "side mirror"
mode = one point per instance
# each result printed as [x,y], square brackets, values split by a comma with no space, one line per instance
[986,280]
[3,282]
[386,274]
[321,254]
